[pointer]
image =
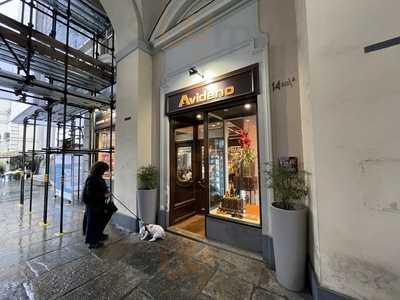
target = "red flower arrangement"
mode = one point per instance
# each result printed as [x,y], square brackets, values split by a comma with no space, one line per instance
[245,141]
[246,155]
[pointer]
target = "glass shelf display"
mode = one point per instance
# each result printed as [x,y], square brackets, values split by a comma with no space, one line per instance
[233,165]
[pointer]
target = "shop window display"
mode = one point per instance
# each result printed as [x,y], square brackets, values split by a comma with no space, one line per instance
[103,142]
[103,119]
[233,164]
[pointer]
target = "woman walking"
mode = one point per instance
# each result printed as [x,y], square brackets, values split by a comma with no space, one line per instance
[94,196]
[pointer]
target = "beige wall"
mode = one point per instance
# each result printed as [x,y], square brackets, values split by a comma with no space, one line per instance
[350,104]
[278,21]
[125,22]
[134,124]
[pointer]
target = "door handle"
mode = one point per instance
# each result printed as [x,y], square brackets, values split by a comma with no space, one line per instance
[200,183]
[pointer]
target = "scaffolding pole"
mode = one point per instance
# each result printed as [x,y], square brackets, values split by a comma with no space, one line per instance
[73,161]
[65,119]
[79,157]
[55,165]
[29,44]
[33,160]
[111,113]
[22,194]
[90,137]
[47,164]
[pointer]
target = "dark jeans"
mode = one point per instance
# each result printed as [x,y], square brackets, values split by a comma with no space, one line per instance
[94,224]
[101,219]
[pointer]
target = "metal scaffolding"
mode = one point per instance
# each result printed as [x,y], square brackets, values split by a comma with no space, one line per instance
[65,84]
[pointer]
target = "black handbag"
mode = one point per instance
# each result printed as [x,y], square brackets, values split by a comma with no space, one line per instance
[111,208]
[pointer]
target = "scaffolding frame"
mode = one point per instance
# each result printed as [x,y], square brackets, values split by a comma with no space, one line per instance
[70,87]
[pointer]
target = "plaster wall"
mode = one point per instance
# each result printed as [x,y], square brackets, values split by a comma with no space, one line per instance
[349,115]
[126,22]
[278,20]
[134,124]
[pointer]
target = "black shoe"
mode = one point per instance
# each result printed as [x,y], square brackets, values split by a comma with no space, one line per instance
[103,237]
[95,246]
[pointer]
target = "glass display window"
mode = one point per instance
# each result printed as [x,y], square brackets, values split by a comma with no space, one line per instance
[233,164]
[103,143]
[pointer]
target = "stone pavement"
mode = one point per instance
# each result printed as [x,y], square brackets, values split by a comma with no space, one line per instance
[37,264]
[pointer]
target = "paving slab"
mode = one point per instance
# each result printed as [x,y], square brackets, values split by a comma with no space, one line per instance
[50,261]
[181,278]
[226,286]
[269,282]
[261,294]
[182,246]
[145,256]
[61,280]
[11,281]
[138,294]
[245,268]
[115,284]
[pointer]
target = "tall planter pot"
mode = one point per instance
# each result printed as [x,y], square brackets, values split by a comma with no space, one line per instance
[289,233]
[147,205]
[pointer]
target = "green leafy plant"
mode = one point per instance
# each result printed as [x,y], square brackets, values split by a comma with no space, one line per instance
[147,177]
[289,186]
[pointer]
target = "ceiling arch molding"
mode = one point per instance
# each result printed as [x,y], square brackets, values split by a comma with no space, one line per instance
[182,17]
[127,23]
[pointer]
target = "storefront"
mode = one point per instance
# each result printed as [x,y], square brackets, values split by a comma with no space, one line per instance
[102,131]
[214,159]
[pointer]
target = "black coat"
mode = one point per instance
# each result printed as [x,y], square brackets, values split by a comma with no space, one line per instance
[95,191]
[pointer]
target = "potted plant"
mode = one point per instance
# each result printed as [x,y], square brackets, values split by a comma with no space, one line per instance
[147,180]
[288,224]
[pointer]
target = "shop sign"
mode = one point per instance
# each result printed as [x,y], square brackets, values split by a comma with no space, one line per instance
[243,82]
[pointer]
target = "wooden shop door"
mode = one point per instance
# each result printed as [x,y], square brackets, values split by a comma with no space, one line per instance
[188,185]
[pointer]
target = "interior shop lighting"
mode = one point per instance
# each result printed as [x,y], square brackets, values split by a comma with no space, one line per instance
[247,106]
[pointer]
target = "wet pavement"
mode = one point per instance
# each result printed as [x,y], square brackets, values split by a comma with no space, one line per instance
[36,263]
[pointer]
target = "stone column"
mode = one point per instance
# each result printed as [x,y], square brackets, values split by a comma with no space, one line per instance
[134,129]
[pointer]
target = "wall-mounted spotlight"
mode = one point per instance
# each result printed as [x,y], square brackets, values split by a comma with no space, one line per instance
[193,71]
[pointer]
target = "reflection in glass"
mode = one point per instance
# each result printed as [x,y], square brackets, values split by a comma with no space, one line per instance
[216,165]
[103,142]
[184,134]
[184,164]
[233,165]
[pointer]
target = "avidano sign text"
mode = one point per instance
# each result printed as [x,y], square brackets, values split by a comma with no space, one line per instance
[207,94]
[233,86]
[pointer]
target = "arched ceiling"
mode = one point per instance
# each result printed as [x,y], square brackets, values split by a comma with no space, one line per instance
[152,21]
[133,20]
[124,18]
[181,17]
[175,12]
